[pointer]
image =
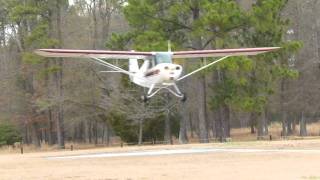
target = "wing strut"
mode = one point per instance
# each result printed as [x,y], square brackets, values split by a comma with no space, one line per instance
[109,65]
[115,68]
[203,67]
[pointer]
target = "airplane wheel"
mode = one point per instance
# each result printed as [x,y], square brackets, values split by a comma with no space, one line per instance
[184,97]
[144,98]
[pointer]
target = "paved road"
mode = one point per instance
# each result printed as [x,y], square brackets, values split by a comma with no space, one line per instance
[181,151]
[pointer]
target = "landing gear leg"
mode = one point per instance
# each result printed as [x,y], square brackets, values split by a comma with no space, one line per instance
[183,96]
[149,94]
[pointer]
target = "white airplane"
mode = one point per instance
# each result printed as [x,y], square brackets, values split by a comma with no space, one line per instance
[157,71]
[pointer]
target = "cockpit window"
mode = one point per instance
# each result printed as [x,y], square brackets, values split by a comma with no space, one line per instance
[163,57]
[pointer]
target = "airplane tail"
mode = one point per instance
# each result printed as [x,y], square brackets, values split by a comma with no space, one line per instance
[133,66]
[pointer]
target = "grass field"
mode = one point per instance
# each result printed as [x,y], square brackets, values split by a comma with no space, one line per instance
[281,163]
[241,158]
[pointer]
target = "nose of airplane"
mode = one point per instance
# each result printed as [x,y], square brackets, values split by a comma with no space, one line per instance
[172,71]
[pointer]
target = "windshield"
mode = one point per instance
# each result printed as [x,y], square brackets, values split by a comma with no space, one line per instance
[163,57]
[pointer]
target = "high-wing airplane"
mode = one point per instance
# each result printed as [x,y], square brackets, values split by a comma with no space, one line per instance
[158,71]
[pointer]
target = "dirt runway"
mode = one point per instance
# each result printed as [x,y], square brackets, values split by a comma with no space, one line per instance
[247,160]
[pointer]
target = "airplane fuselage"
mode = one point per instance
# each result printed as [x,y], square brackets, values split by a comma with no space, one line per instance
[164,73]
[156,72]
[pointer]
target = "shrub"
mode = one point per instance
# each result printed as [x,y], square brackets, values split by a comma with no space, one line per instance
[8,134]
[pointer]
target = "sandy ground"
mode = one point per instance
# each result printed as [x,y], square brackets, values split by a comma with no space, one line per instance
[274,160]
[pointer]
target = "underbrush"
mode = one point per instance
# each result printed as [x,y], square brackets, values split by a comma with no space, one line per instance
[237,135]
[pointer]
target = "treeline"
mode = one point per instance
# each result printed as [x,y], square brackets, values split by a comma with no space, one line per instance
[57,100]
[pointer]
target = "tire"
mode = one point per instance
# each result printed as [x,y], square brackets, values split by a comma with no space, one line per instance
[144,98]
[184,97]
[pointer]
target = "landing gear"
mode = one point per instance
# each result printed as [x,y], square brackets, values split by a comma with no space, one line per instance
[144,98]
[153,90]
[184,97]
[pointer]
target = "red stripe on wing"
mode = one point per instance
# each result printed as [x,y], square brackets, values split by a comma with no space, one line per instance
[75,51]
[222,52]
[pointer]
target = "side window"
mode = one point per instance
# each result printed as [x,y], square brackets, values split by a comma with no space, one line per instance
[158,59]
[152,63]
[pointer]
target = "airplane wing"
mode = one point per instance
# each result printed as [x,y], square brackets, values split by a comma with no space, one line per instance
[93,54]
[146,55]
[96,54]
[222,52]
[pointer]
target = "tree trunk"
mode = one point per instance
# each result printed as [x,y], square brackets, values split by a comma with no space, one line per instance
[167,129]
[140,140]
[191,125]
[90,131]
[203,132]
[212,127]
[223,123]
[50,129]
[35,134]
[103,133]
[201,85]
[262,126]
[95,25]
[283,109]
[140,131]
[253,122]
[26,134]
[289,124]
[59,77]
[226,120]
[284,131]
[75,133]
[294,124]
[290,132]
[60,127]
[49,111]
[183,138]
[167,122]
[108,135]
[105,16]
[95,131]
[82,132]
[303,125]
[220,135]
[43,136]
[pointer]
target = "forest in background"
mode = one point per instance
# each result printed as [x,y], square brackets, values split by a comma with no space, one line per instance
[52,101]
